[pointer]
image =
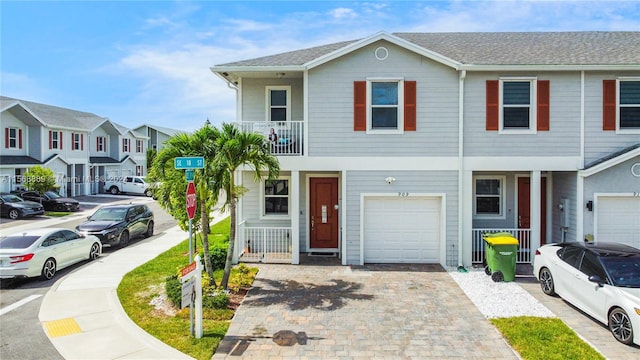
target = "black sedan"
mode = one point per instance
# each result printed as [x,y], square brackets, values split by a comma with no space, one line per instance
[115,225]
[51,200]
[14,207]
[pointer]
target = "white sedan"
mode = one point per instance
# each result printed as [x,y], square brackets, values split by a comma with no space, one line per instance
[42,252]
[603,280]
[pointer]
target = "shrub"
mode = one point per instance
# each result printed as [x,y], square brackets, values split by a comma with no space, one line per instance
[173,288]
[217,300]
[218,258]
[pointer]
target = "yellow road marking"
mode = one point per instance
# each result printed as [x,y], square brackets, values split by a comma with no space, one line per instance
[62,327]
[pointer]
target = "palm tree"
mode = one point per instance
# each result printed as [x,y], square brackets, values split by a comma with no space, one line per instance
[172,191]
[236,148]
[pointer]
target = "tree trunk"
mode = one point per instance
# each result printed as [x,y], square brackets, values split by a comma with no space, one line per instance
[205,241]
[232,243]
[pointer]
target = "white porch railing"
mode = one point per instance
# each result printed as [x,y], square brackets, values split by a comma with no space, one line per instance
[290,135]
[524,244]
[264,244]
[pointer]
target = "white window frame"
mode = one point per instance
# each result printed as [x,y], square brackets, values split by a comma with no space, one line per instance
[139,146]
[502,201]
[101,146]
[264,215]
[55,139]
[14,138]
[76,142]
[618,93]
[533,105]
[268,107]
[400,128]
[126,145]
[139,170]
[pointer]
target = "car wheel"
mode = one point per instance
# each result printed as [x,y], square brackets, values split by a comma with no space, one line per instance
[148,193]
[48,269]
[94,252]
[620,326]
[124,239]
[114,190]
[497,276]
[546,282]
[149,232]
[14,214]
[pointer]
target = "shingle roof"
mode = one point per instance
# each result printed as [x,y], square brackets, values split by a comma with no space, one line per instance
[500,48]
[57,116]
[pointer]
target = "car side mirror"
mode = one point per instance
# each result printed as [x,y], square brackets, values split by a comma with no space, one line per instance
[596,279]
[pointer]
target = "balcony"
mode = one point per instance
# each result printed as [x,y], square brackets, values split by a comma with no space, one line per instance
[524,244]
[288,139]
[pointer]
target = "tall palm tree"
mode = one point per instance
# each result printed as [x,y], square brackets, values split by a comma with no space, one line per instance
[236,148]
[171,194]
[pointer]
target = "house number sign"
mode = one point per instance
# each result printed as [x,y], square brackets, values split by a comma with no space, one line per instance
[403,194]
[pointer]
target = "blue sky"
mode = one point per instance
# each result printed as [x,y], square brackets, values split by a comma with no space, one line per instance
[139,62]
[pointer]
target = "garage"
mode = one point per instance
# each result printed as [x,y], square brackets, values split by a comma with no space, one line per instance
[618,219]
[402,229]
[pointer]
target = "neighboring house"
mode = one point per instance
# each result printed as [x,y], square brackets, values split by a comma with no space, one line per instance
[407,147]
[157,135]
[81,148]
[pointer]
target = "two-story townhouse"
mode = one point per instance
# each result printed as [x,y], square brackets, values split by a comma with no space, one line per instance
[157,135]
[82,149]
[408,147]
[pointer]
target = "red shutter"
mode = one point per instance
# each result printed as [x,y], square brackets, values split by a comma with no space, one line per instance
[359,105]
[608,104]
[81,141]
[73,141]
[493,106]
[19,138]
[97,143]
[6,138]
[50,140]
[60,139]
[543,105]
[410,105]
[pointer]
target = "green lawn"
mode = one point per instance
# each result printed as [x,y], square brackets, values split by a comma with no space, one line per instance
[146,282]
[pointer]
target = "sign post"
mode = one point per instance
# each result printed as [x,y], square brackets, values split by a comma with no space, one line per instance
[192,294]
[189,164]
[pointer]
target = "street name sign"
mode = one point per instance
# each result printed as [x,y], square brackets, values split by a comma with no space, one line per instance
[194,162]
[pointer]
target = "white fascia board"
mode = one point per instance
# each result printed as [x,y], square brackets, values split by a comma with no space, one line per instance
[387,37]
[250,68]
[492,67]
[57,156]
[610,163]
[104,120]
[521,163]
[19,103]
[330,163]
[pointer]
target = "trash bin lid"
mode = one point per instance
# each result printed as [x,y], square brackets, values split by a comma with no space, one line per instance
[501,240]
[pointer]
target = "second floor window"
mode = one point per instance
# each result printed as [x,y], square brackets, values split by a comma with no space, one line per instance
[101,144]
[13,138]
[126,145]
[139,146]
[517,99]
[77,141]
[629,104]
[278,103]
[55,140]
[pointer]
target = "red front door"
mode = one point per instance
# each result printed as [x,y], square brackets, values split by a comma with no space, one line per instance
[323,215]
[524,206]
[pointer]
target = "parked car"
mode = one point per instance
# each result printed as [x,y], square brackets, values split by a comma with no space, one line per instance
[603,280]
[14,207]
[115,225]
[44,251]
[129,184]
[51,200]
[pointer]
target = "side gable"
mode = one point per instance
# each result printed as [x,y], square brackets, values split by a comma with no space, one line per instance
[611,160]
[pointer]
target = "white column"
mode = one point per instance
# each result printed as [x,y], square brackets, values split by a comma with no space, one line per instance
[535,207]
[73,180]
[294,187]
[343,217]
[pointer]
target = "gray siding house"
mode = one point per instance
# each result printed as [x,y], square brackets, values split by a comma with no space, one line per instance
[82,149]
[408,147]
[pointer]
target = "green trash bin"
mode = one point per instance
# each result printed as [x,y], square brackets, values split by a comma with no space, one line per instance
[501,250]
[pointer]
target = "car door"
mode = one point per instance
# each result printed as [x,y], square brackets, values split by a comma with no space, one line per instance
[56,246]
[76,247]
[133,221]
[567,272]
[592,296]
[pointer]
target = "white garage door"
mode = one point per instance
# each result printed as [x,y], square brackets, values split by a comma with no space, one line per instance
[618,220]
[402,230]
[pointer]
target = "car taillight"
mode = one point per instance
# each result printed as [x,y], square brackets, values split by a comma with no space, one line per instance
[537,251]
[20,258]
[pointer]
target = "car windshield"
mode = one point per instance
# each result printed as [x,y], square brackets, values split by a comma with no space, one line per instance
[109,214]
[52,194]
[11,198]
[624,271]
[17,241]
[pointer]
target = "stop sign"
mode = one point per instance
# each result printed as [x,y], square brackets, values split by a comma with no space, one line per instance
[191,200]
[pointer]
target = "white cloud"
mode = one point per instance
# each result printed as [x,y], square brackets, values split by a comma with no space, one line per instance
[343,13]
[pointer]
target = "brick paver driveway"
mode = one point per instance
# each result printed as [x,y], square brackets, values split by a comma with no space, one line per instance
[375,311]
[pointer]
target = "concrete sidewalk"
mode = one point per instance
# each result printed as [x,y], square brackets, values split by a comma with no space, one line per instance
[82,315]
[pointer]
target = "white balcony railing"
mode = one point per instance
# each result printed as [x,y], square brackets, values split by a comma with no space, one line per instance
[264,244]
[288,139]
[524,244]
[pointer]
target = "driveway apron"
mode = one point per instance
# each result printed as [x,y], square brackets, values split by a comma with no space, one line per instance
[367,312]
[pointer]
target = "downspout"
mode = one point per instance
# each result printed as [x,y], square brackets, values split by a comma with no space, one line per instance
[579,177]
[463,75]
